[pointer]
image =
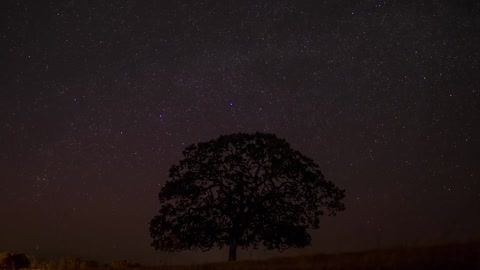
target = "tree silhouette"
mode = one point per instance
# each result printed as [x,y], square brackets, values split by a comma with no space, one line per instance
[242,190]
[14,261]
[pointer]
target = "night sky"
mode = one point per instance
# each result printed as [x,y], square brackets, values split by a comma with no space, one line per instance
[99,98]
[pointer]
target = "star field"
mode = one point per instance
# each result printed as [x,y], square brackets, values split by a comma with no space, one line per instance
[98,99]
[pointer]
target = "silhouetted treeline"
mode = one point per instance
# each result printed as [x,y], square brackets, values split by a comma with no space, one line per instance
[76,263]
[15,261]
[123,264]
[69,263]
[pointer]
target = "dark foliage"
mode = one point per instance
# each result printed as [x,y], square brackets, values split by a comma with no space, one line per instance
[242,190]
[14,261]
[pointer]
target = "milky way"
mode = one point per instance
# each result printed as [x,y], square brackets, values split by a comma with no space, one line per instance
[99,98]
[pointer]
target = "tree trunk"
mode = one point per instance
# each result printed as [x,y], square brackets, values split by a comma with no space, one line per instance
[232,252]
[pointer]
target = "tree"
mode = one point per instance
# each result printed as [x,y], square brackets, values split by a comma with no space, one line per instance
[14,261]
[242,190]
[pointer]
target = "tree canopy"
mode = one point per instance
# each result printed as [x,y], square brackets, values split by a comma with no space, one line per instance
[242,190]
[13,261]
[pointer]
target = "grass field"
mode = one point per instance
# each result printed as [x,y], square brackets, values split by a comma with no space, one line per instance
[453,256]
